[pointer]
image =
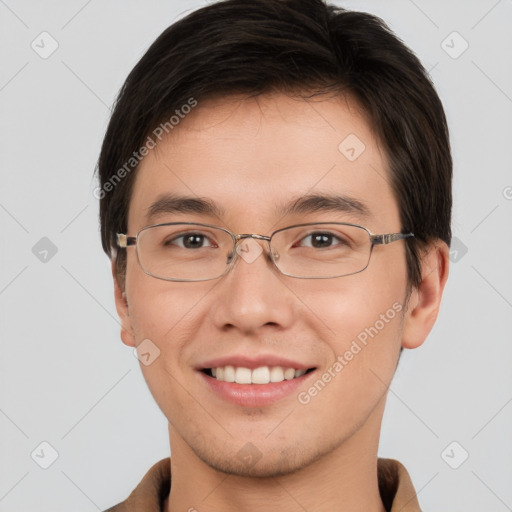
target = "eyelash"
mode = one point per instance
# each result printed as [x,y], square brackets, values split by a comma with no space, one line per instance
[309,235]
[205,237]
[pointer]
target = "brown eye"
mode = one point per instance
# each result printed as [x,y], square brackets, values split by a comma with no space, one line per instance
[321,240]
[190,241]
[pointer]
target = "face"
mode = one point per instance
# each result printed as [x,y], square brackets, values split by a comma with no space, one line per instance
[247,157]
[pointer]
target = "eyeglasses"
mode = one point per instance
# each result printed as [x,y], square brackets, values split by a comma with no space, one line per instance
[189,251]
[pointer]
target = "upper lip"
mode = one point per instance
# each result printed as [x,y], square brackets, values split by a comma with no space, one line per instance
[246,361]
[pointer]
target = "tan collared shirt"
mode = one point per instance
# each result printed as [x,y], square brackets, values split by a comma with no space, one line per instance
[395,486]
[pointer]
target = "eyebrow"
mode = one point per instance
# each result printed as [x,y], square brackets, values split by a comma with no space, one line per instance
[333,203]
[169,203]
[310,203]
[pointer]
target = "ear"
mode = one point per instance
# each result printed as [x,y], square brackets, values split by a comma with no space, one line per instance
[122,310]
[425,300]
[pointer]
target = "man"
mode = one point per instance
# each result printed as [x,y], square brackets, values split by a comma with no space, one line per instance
[275,188]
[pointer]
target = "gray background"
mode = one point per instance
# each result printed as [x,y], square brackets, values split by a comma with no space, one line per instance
[66,378]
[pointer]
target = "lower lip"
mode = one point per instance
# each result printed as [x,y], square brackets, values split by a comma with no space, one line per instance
[254,395]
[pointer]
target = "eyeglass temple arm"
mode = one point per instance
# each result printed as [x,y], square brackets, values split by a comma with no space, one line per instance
[391,237]
[125,240]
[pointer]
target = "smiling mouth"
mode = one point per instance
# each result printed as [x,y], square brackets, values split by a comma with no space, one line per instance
[260,375]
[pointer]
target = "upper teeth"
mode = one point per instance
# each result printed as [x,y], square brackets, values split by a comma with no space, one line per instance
[261,375]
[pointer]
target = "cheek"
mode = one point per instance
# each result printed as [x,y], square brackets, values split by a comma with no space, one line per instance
[164,319]
[346,306]
[361,316]
[364,346]
[160,309]
[167,313]
[370,314]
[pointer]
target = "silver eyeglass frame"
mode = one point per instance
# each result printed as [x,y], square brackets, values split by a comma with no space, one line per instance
[124,241]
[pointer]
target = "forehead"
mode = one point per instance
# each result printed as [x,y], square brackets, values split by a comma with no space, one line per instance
[249,156]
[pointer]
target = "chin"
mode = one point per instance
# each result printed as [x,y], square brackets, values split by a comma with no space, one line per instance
[252,462]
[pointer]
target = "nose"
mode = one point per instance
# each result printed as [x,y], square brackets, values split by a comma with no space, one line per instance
[252,295]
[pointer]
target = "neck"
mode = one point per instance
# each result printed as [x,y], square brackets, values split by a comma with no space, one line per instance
[343,480]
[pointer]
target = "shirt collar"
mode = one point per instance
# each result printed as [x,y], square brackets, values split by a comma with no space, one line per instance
[395,486]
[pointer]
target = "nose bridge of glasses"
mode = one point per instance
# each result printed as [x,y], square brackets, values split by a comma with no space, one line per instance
[244,236]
